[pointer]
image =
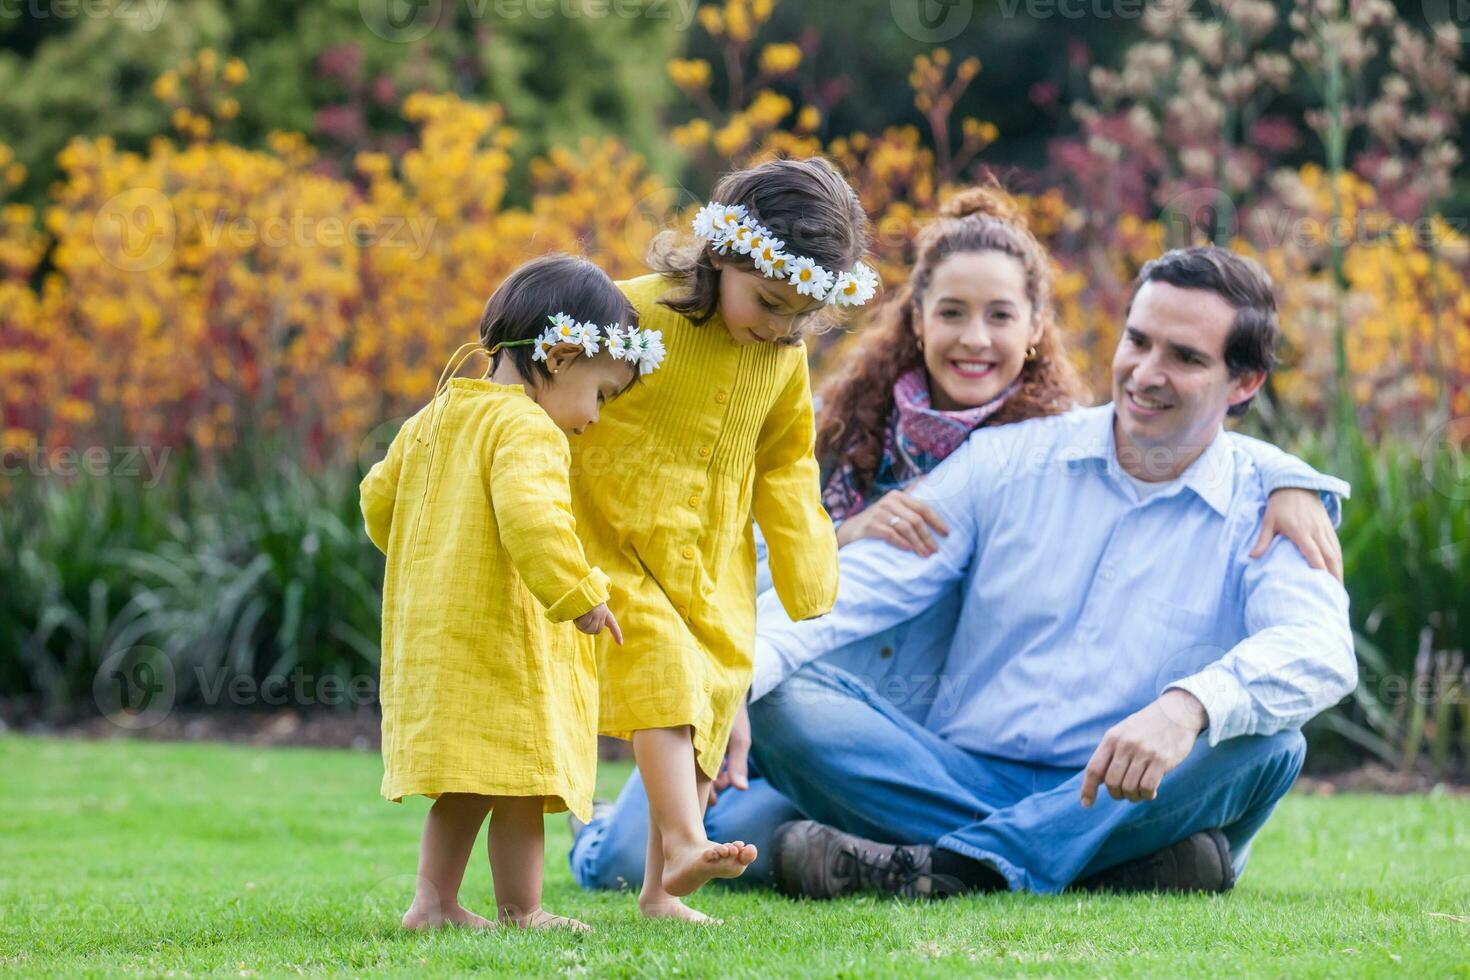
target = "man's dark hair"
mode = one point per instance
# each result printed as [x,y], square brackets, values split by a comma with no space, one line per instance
[1242,282]
[519,309]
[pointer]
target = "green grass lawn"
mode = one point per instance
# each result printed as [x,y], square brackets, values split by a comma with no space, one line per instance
[147,858]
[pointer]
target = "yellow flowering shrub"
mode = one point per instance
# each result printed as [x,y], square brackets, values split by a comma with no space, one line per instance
[207,294]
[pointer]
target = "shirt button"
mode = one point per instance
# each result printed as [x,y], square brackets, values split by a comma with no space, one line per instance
[684,611]
[704,451]
[1107,575]
[707,687]
[693,501]
[721,397]
[688,552]
[886,652]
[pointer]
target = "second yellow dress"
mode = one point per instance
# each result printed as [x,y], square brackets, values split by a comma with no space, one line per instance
[487,687]
[664,489]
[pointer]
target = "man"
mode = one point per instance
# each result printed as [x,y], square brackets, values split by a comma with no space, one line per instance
[1111,615]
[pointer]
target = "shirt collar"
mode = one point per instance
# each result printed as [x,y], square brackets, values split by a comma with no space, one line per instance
[1211,476]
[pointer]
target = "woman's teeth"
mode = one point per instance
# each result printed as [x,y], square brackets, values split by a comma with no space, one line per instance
[973,369]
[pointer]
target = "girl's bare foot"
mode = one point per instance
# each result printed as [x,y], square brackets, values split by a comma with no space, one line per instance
[687,868]
[669,907]
[426,918]
[539,918]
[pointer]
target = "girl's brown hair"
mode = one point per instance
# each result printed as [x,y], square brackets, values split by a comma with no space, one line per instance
[857,403]
[805,203]
[522,305]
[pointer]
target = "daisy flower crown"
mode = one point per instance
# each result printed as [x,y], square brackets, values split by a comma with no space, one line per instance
[644,348]
[729,228]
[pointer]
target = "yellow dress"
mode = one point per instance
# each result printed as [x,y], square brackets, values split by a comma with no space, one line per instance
[664,487]
[486,686]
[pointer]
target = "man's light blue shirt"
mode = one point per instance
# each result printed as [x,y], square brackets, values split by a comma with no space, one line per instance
[1080,603]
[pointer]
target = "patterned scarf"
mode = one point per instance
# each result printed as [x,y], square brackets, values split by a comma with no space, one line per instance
[917,440]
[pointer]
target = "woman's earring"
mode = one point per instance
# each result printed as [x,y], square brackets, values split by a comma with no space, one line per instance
[921,345]
[1031,353]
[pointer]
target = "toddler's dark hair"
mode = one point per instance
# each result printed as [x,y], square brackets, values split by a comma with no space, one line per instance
[805,203]
[521,306]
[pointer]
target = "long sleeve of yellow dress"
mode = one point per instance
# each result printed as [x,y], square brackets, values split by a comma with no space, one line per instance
[379,492]
[801,542]
[532,497]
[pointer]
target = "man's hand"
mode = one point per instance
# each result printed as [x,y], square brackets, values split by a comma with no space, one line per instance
[1138,751]
[737,752]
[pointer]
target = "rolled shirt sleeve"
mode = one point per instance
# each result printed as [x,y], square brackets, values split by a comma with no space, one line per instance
[1297,661]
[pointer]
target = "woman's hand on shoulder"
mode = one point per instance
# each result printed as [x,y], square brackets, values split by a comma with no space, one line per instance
[595,620]
[1299,516]
[899,518]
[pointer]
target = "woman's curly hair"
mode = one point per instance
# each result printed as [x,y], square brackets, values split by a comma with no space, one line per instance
[858,402]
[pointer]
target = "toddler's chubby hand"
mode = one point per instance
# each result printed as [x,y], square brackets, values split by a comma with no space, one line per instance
[594,620]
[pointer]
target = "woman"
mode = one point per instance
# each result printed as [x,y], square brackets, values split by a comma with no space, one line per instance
[970,340]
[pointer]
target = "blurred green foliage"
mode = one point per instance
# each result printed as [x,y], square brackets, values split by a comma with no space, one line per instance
[319,68]
[261,570]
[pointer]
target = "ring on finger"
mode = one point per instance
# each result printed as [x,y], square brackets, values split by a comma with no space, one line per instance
[893,521]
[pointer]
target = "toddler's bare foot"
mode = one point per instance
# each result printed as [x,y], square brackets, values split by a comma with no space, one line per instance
[417,918]
[539,918]
[687,868]
[669,907]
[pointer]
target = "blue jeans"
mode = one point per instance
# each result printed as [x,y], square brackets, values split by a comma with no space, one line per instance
[847,757]
[609,852]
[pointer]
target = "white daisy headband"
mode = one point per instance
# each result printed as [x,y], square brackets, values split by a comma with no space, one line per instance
[645,348]
[728,227]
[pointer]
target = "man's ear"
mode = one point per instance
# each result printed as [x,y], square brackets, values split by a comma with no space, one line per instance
[1245,386]
[561,356]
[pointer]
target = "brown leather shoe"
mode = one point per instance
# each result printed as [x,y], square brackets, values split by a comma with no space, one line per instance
[817,861]
[1199,863]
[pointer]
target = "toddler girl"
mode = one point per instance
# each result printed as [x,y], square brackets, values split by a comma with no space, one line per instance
[488,692]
